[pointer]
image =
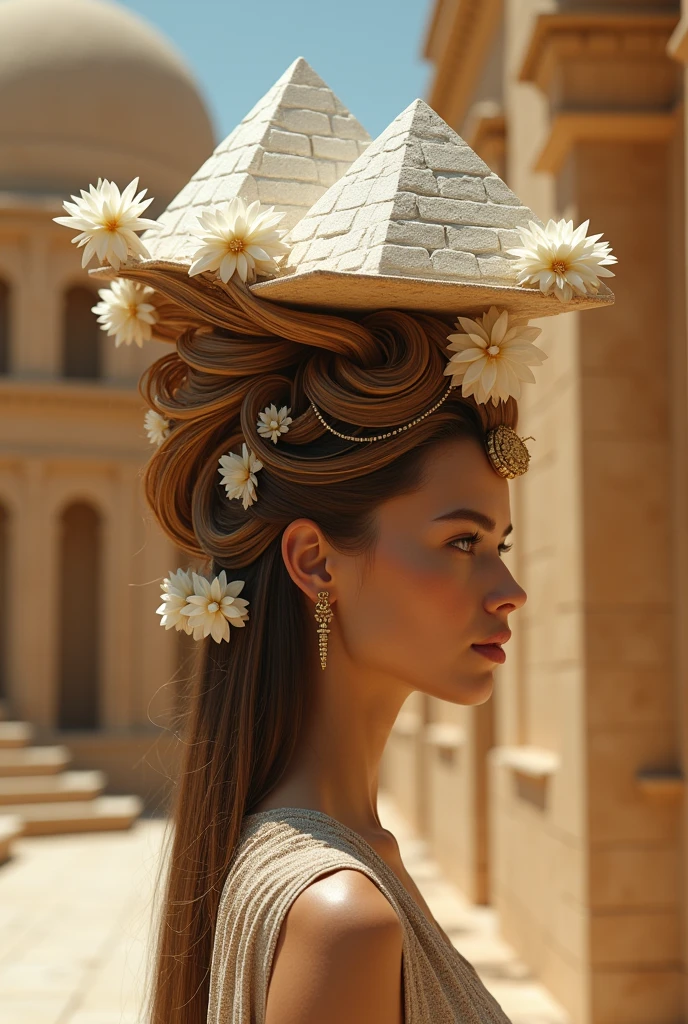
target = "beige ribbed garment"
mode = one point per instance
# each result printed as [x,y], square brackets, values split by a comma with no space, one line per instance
[282,850]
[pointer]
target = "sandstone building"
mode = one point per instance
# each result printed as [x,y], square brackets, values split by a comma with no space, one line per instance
[95,93]
[85,668]
[561,801]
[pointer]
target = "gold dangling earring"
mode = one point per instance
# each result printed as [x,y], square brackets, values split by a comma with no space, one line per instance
[323,616]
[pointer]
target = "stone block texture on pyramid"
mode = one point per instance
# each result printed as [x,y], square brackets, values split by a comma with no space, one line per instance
[418,203]
[290,148]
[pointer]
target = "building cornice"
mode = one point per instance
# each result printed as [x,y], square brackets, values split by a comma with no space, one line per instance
[68,394]
[485,129]
[458,38]
[607,78]
[677,47]
[486,134]
[595,38]
[29,203]
[568,129]
[89,424]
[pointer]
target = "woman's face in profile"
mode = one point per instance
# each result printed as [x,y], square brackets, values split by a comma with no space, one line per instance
[435,585]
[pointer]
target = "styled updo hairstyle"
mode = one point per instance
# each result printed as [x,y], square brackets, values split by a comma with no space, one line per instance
[247,710]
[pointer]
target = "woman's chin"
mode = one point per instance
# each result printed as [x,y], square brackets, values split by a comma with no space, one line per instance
[465,687]
[479,689]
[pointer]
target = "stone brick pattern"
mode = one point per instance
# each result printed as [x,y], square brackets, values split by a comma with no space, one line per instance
[289,149]
[419,202]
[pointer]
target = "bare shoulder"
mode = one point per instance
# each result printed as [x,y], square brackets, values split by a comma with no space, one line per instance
[339,956]
[345,900]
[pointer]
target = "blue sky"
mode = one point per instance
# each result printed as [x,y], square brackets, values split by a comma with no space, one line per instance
[368,51]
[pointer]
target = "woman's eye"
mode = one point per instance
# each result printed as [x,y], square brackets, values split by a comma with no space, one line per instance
[469,541]
[466,544]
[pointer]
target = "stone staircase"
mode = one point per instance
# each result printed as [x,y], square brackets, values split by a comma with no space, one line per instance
[39,796]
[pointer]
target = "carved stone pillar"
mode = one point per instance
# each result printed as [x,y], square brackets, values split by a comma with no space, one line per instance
[590,857]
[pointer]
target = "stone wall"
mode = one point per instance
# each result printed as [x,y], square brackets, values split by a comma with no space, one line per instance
[586,825]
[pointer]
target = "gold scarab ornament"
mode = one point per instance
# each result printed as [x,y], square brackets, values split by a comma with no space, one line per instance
[508,452]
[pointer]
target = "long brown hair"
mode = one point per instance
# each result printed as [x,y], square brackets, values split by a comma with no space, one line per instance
[249,703]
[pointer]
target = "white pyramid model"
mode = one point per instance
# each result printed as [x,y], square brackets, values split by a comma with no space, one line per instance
[296,142]
[418,203]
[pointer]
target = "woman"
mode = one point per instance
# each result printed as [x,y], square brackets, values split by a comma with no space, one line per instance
[405,538]
[343,476]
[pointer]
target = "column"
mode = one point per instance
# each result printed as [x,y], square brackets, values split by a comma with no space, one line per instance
[589,836]
[35,627]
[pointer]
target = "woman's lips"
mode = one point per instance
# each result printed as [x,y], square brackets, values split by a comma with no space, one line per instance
[492,651]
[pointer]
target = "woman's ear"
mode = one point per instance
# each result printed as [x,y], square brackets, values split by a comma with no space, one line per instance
[306,553]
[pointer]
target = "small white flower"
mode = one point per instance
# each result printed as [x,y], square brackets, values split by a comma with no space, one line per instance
[177,588]
[213,605]
[125,312]
[157,427]
[107,221]
[560,260]
[239,239]
[272,423]
[238,474]
[491,358]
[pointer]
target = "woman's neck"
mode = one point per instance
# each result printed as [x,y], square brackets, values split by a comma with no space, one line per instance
[336,766]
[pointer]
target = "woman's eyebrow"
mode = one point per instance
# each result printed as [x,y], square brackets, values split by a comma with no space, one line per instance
[479,518]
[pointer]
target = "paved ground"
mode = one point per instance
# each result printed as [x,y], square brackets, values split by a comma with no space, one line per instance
[75,913]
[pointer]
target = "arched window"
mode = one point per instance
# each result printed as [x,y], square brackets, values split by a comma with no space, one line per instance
[81,335]
[4,589]
[4,327]
[80,617]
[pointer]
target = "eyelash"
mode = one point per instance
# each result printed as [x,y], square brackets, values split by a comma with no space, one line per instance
[474,538]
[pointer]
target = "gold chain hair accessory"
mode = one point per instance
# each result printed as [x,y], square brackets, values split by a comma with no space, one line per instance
[390,433]
[323,616]
[506,450]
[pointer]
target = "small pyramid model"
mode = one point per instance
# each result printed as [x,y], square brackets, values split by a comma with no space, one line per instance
[420,203]
[295,143]
[413,220]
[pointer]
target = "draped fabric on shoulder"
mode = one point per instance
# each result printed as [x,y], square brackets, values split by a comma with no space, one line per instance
[280,852]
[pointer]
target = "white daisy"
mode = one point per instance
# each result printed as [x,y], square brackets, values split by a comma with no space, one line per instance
[560,260]
[239,239]
[177,588]
[125,312]
[239,475]
[272,423]
[157,427]
[213,605]
[491,358]
[107,221]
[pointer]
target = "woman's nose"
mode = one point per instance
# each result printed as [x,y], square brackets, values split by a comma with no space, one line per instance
[507,594]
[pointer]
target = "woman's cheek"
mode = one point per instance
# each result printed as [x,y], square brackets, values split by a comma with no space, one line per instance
[410,602]
[437,578]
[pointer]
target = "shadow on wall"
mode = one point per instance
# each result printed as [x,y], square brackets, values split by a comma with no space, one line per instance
[80,614]
[4,326]
[4,588]
[82,347]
